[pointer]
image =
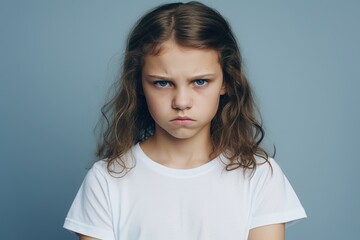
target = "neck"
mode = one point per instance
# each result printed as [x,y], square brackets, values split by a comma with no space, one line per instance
[178,153]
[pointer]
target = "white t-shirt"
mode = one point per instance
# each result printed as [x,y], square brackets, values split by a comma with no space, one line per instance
[155,202]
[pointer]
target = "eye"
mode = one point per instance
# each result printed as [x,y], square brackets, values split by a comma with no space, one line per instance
[200,82]
[161,84]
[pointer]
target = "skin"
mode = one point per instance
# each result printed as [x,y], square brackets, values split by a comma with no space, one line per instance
[83,237]
[269,232]
[182,87]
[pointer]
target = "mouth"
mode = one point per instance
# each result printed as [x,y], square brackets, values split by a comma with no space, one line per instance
[182,121]
[182,118]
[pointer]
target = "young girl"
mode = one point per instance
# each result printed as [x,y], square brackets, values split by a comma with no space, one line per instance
[182,155]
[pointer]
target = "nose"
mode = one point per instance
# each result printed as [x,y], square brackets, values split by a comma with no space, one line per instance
[182,100]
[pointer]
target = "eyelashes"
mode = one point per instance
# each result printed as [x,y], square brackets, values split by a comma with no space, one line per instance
[162,84]
[167,84]
[201,82]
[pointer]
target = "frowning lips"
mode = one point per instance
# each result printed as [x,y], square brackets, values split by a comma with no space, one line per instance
[182,120]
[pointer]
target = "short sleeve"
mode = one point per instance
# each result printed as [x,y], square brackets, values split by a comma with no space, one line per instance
[90,212]
[274,200]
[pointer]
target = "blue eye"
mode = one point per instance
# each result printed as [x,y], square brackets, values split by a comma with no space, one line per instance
[161,84]
[200,82]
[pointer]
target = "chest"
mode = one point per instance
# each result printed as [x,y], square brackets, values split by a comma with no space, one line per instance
[215,206]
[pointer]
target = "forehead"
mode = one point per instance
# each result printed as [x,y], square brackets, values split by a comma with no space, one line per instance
[171,58]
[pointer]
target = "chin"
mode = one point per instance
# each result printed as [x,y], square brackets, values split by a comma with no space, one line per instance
[182,134]
[178,133]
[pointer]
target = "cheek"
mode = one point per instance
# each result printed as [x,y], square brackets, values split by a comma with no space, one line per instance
[151,103]
[210,106]
[155,106]
[215,106]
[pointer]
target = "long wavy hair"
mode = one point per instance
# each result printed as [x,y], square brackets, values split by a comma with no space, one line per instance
[236,130]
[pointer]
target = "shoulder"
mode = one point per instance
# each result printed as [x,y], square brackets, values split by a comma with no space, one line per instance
[265,165]
[97,176]
[100,168]
[274,200]
[117,167]
[267,170]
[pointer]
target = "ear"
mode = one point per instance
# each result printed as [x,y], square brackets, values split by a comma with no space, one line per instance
[223,89]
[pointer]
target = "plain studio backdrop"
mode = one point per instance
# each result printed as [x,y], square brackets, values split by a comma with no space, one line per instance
[59,58]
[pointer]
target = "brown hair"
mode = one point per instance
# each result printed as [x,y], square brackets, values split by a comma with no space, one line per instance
[235,130]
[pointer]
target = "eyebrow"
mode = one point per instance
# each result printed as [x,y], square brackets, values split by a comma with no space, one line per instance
[200,76]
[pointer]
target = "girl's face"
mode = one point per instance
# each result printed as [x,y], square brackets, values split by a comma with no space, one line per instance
[182,87]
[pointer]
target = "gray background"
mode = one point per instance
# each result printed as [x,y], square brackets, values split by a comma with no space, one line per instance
[58,59]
